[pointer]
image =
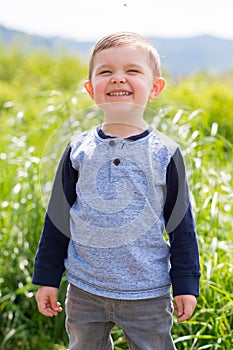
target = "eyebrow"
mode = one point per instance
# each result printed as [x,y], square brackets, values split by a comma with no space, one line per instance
[131,64]
[103,66]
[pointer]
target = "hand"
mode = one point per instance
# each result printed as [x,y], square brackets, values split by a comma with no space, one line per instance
[184,305]
[47,303]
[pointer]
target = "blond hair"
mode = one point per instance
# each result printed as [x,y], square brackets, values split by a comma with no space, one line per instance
[127,38]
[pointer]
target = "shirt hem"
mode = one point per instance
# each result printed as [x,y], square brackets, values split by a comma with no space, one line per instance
[117,294]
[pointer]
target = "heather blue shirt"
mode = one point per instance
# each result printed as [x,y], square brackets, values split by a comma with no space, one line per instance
[111,202]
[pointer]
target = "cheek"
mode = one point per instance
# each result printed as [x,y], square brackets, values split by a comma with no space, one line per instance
[99,89]
[142,90]
[141,85]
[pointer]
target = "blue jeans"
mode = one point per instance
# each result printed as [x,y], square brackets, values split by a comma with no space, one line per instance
[89,319]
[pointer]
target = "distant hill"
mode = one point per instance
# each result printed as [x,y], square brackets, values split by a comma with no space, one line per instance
[188,56]
[180,57]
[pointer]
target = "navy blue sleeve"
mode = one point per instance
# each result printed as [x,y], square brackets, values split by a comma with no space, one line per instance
[54,240]
[180,226]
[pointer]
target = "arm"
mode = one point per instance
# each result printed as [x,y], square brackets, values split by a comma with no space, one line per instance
[180,226]
[52,248]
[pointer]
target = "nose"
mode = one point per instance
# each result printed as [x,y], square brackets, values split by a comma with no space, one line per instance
[118,80]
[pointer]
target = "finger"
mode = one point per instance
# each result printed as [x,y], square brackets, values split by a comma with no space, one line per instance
[46,307]
[188,311]
[46,310]
[54,303]
[59,307]
[182,318]
[47,302]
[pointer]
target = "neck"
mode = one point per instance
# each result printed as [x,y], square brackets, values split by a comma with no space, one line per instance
[123,119]
[123,129]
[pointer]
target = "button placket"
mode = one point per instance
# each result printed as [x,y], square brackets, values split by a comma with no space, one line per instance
[114,145]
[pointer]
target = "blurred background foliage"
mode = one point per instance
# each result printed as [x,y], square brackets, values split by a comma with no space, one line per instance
[42,102]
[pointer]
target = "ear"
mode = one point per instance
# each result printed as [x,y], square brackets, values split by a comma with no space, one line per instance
[157,88]
[89,88]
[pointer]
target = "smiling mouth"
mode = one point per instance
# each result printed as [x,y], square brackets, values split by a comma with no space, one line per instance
[120,93]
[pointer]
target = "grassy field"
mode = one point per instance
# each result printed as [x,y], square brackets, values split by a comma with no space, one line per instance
[41,104]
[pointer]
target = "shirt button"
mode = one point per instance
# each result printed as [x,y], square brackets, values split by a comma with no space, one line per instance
[111,143]
[116,161]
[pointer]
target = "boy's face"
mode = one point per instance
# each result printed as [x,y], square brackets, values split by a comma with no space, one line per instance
[122,75]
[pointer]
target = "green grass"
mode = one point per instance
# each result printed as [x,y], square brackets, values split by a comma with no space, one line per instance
[209,171]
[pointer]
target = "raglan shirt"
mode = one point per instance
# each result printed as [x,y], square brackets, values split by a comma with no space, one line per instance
[111,202]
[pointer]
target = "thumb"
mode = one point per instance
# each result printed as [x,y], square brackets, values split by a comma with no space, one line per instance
[178,307]
[53,302]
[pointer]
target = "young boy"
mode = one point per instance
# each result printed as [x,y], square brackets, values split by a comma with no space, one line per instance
[116,189]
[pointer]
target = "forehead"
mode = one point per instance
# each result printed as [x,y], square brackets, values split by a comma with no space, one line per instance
[121,54]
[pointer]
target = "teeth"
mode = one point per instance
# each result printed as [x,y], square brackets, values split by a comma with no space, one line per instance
[120,93]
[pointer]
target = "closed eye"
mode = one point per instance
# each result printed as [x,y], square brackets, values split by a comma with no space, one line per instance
[133,71]
[105,72]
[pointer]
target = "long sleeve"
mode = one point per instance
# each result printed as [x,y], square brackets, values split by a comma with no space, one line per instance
[180,226]
[54,240]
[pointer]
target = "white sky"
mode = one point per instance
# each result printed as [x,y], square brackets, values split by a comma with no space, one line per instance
[90,20]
